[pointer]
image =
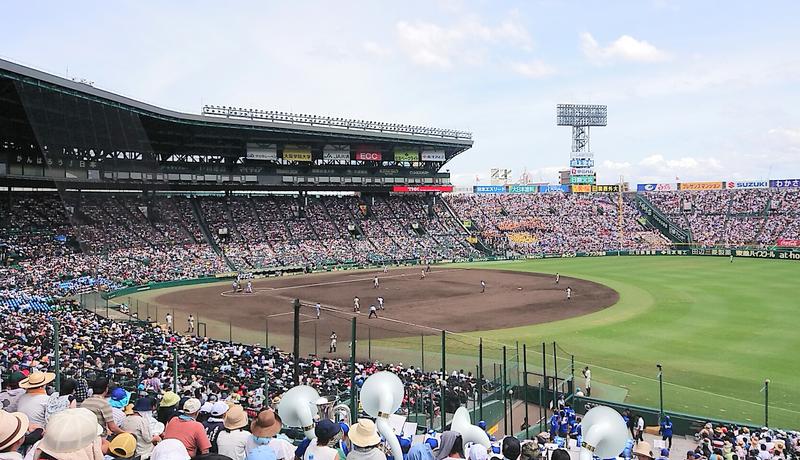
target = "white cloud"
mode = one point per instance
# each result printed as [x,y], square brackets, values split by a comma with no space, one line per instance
[790,135]
[466,42]
[533,69]
[625,48]
[376,49]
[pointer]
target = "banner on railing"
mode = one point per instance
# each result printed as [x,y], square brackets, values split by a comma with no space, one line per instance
[786,243]
[700,186]
[785,183]
[747,184]
[481,189]
[656,187]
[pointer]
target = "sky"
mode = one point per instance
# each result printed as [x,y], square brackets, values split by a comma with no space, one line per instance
[699,90]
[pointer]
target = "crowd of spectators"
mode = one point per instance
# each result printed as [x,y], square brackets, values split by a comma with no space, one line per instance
[738,217]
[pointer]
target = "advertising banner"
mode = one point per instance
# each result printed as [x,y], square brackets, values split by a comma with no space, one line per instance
[581,163]
[788,243]
[577,188]
[368,154]
[339,155]
[700,186]
[656,188]
[297,153]
[553,188]
[785,183]
[589,155]
[433,155]
[606,188]
[422,188]
[406,155]
[523,188]
[482,189]
[581,171]
[747,184]
[261,152]
[582,179]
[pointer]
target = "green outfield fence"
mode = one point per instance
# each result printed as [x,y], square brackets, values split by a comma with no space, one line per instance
[548,370]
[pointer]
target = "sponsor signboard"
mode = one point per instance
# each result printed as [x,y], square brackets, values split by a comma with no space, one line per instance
[700,186]
[339,155]
[368,154]
[747,184]
[581,188]
[433,155]
[581,155]
[406,155]
[422,188]
[297,153]
[785,183]
[606,188]
[489,189]
[581,172]
[523,188]
[788,243]
[261,152]
[553,188]
[656,187]
[581,179]
[581,163]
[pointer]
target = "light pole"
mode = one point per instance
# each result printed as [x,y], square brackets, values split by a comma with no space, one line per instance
[660,392]
[766,402]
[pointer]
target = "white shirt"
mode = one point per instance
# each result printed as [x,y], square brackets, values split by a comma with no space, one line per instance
[33,405]
[315,452]
[232,443]
[640,424]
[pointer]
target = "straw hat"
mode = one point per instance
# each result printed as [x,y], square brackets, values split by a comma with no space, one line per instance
[169,399]
[37,379]
[644,449]
[265,425]
[13,426]
[364,433]
[123,445]
[70,431]
[235,418]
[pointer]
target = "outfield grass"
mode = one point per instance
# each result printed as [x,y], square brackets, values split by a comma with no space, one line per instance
[719,329]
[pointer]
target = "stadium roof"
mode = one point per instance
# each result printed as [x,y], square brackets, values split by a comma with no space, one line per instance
[291,123]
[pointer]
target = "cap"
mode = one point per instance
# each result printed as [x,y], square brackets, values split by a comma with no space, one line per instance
[327,429]
[191,406]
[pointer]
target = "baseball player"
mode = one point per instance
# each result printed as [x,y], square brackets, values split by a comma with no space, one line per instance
[731,257]
[380,303]
[372,311]
[235,286]
[376,284]
[558,277]
[423,275]
[428,267]
[190,324]
[249,289]
[168,318]
[356,304]
[569,293]
[318,307]
[483,286]
[332,348]
[385,269]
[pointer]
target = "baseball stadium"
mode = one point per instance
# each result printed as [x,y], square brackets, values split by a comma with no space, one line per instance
[167,262]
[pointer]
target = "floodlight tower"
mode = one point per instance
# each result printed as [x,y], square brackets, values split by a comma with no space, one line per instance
[581,117]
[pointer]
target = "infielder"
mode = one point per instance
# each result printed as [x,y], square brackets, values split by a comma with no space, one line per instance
[249,289]
[385,269]
[235,286]
[376,283]
[372,311]
[483,286]
[318,307]
[190,324]
[380,303]
[423,275]
[356,304]
[558,278]
[569,292]
[332,348]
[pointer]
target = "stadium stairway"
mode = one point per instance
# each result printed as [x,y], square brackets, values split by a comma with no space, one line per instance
[658,219]
[198,215]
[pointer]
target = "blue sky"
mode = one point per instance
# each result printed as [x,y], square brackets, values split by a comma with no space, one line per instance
[702,90]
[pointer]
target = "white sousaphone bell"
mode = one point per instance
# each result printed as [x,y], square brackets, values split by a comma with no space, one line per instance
[469,433]
[604,433]
[381,395]
[298,409]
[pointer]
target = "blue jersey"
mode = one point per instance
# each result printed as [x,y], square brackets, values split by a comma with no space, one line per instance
[666,428]
[554,422]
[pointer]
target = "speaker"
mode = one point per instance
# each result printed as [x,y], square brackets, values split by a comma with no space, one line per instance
[298,408]
[381,395]
[469,432]
[604,433]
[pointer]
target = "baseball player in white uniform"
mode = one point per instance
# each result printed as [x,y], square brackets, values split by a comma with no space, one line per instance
[380,303]
[376,283]
[356,304]
[569,292]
